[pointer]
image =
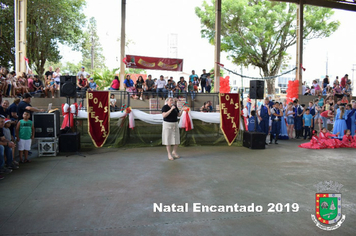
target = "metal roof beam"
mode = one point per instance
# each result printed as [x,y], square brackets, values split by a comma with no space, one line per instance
[343,5]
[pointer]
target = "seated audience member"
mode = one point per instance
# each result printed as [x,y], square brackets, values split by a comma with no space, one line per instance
[320,101]
[115,84]
[316,87]
[130,87]
[344,99]
[4,109]
[150,86]
[338,92]
[140,85]
[182,85]
[82,84]
[113,105]
[312,91]
[51,85]
[347,91]
[206,107]
[160,87]
[13,109]
[92,85]
[171,88]
[37,85]
[57,77]
[5,148]
[30,83]
[326,81]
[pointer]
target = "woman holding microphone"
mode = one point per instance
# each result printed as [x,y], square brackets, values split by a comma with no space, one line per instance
[170,129]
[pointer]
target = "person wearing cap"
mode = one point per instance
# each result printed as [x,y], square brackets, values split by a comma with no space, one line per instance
[92,85]
[82,72]
[25,104]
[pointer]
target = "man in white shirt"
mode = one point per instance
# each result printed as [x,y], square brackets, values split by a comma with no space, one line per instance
[161,84]
[82,72]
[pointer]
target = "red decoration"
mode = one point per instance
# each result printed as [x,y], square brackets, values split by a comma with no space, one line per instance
[225,84]
[292,90]
[301,66]
[154,63]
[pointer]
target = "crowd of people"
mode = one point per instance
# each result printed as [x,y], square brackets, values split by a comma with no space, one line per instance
[339,89]
[282,120]
[13,85]
[16,129]
[167,88]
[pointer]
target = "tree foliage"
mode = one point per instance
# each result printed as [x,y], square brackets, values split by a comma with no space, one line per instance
[7,36]
[91,39]
[258,32]
[49,22]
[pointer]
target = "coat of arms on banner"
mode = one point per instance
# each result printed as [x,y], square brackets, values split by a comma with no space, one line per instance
[328,206]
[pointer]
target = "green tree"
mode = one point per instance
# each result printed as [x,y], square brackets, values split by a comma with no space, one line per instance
[49,22]
[258,32]
[7,46]
[91,42]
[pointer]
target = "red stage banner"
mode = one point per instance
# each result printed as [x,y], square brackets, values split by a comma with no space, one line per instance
[98,116]
[153,63]
[229,115]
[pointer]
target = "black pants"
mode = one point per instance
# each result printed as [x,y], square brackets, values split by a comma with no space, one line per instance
[306,131]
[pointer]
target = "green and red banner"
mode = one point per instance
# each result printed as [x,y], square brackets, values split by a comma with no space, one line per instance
[98,116]
[229,115]
[153,63]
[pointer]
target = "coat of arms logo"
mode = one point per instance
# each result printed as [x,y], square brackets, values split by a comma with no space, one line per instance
[328,206]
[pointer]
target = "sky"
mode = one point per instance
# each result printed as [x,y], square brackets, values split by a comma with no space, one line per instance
[149,24]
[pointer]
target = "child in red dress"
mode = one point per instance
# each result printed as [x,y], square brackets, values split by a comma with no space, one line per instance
[325,138]
[314,142]
[347,140]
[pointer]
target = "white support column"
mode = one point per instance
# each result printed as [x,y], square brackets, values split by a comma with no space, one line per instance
[122,41]
[300,19]
[20,12]
[217,45]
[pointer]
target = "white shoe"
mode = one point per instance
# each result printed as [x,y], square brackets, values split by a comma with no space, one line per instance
[141,98]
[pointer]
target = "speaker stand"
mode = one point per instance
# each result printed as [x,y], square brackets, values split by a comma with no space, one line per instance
[76,131]
[256,121]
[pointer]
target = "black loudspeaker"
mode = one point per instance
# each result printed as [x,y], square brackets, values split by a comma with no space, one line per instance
[257,88]
[69,142]
[254,140]
[46,124]
[68,86]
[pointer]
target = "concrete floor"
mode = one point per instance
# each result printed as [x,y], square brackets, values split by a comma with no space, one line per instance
[112,191]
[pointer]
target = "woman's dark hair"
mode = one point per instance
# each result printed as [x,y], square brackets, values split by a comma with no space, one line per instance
[140,77]
[117,77]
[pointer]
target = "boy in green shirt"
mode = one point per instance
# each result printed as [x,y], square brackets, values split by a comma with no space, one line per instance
[25,134]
